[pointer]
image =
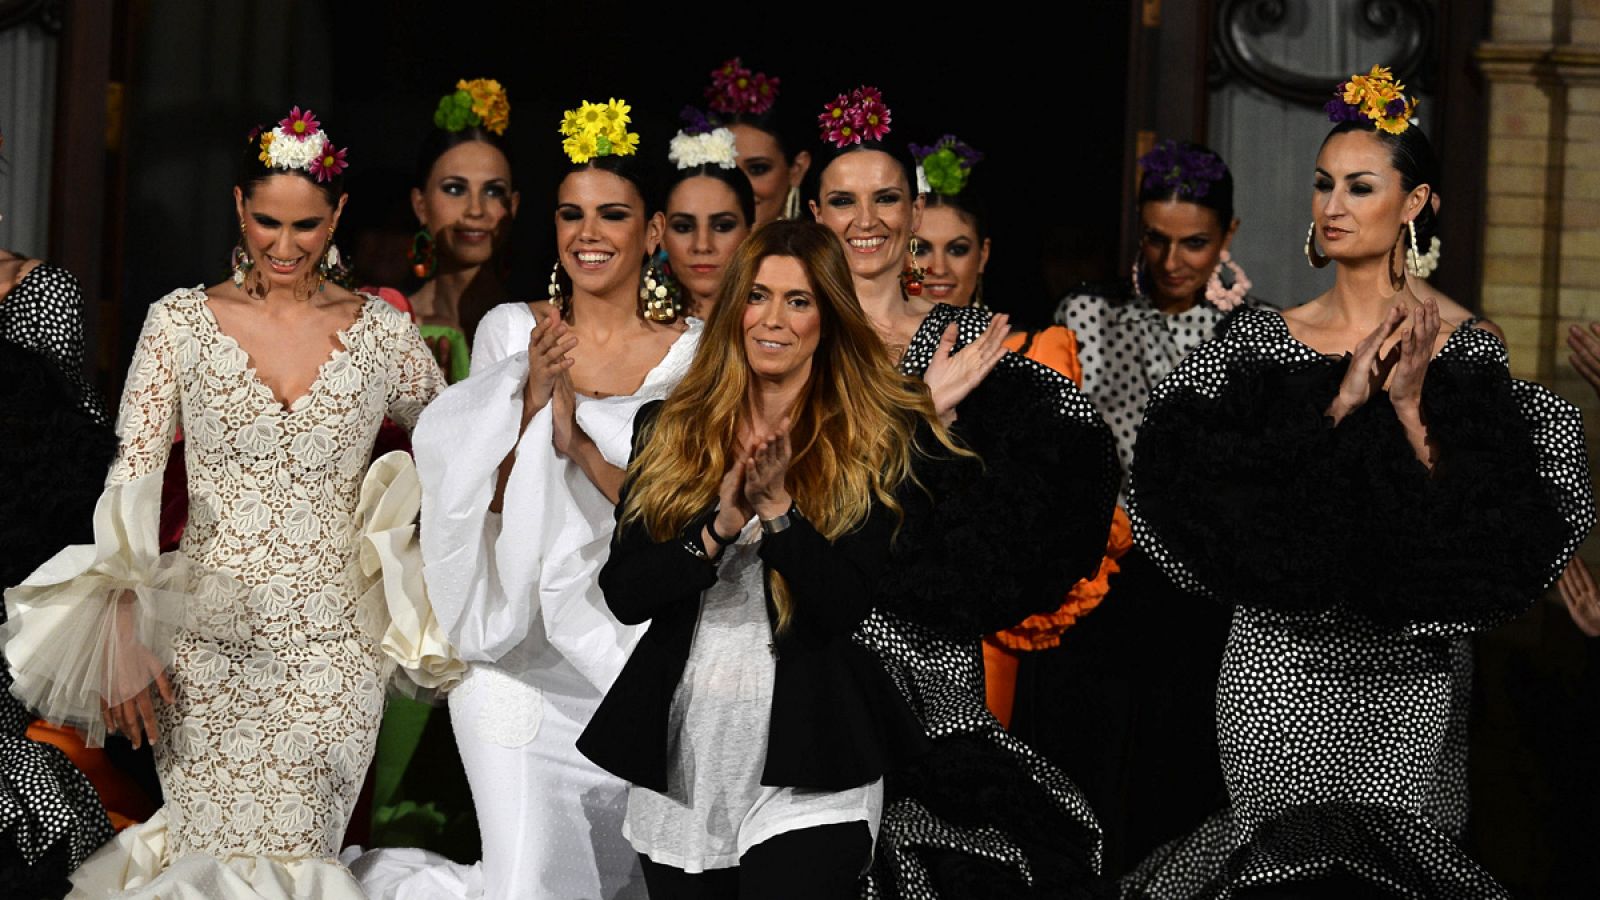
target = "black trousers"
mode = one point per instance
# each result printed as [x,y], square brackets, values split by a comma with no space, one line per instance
[820,863]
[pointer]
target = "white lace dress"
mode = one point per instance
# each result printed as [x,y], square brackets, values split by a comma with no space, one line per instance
[517,594]
[296,589]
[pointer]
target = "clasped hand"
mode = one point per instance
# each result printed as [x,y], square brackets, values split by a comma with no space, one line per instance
[1394,357]
[754,483]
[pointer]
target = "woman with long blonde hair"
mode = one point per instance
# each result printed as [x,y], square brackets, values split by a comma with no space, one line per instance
[753,530]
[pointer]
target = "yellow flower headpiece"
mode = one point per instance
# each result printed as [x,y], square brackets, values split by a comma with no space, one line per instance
[1375,96]
[480,103]
[598,129]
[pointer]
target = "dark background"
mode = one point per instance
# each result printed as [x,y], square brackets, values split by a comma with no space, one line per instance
[1045,104]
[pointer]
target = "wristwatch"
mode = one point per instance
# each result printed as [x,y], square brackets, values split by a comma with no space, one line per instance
[778,522]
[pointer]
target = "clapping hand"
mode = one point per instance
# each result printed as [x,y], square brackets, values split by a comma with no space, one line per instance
[766,466]
[1369,367]
[1582,598]
[951,376]
[1585,343]
[548,347]
[1417,338]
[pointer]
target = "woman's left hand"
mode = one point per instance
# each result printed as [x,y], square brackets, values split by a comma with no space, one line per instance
[440,346]
[564,414]
[1416,351]
[765,468]
[1582,598]
[951,376]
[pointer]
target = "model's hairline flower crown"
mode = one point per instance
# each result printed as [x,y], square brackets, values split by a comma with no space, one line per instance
[1187,171]
[1376,96]
[689,149]
[598,129]
[736,90]
[852,118]
[945,165]
[478,103]
[298,143]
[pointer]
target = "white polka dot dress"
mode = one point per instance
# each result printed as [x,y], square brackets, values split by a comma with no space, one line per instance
[1126,346]
[985,546]
[1353,571]
[55,447]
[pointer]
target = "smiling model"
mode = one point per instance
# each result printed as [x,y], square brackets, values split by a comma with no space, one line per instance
[521,465]
[465,200]
[255,656]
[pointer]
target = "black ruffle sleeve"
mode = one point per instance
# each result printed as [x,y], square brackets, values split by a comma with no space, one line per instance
[987,542]
[53,461]
[1243,490]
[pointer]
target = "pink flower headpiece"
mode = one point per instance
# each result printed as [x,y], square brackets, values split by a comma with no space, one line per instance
[855,117]
[735,89]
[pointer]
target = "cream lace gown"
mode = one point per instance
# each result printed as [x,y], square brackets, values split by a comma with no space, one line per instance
[295,591]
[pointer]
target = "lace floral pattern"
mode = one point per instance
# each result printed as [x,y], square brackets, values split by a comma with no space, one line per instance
[279,685]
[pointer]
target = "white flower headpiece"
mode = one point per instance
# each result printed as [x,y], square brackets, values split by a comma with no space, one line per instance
[298,142]
[713,147]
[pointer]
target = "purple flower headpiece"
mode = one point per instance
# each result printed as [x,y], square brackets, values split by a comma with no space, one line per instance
[1188,171]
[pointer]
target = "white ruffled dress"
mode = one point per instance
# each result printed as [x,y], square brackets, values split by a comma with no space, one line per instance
[516,592]
[295,592]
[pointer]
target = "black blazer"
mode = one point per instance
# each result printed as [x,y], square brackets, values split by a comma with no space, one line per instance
[837,721]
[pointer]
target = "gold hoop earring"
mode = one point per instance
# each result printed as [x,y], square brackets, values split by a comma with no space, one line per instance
[557,300]
[240,260]
[657,302]
[1317,260]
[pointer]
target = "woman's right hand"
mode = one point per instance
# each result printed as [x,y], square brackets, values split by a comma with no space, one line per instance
[733,511]
[548,347]
[135,718]
[1368,367]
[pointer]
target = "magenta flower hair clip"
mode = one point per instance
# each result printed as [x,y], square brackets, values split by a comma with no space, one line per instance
[735,89]
[855,117]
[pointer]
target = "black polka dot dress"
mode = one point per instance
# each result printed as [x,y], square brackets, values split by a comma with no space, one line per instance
[1352,571]
[985,545]
[44,313]
[1126,346]
[54,451]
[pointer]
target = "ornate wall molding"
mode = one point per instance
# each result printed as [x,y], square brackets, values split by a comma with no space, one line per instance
[1236,54]
[47,14]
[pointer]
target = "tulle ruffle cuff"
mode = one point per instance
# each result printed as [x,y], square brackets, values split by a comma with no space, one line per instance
[393,599]
[95,624]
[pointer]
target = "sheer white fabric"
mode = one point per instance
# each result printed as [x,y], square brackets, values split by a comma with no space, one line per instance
[277,662]
[517,596]
[716,808]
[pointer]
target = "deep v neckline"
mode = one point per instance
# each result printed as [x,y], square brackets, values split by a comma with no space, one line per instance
[341,340]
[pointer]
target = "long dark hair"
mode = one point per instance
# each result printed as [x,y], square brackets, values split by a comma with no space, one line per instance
[251,172]
[439,142]
[636,169]
[732,177]
[811,186]
[1218,195]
